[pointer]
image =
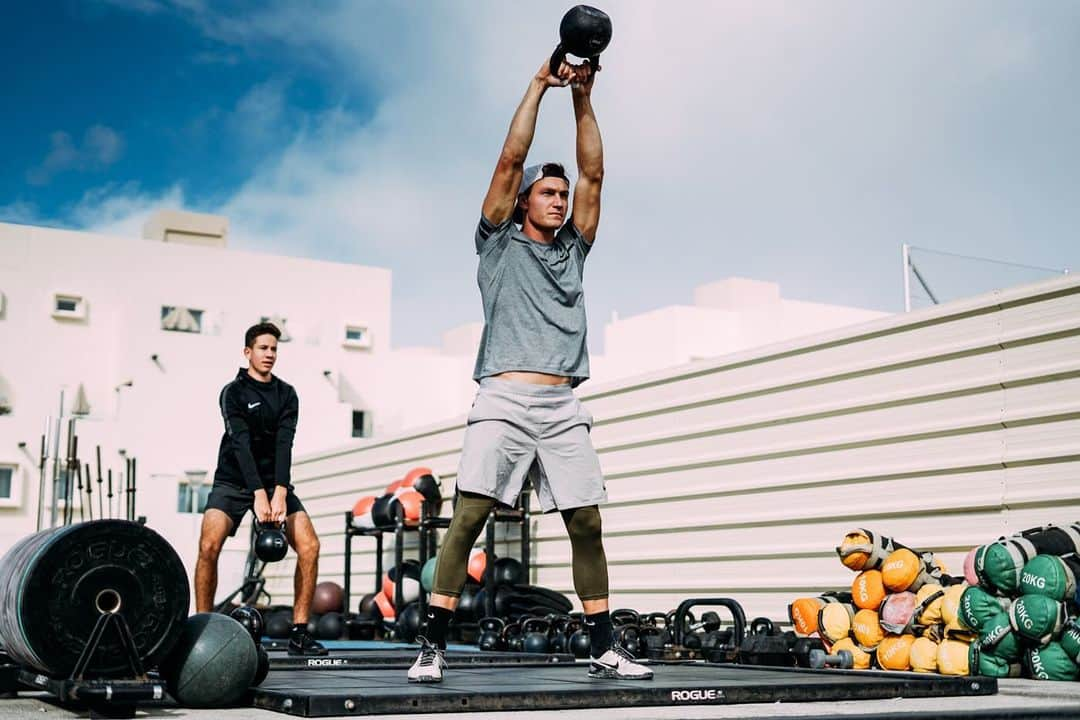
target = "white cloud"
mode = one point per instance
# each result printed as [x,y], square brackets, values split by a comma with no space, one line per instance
[122,209]
[22,213]
[259,115]
[101,147]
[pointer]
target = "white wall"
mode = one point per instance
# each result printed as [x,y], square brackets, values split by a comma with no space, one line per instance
[737,476]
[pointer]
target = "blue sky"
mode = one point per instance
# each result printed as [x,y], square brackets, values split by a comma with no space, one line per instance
[137,93]
[800,142]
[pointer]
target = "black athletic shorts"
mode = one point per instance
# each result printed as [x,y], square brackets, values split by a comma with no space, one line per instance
[237,501]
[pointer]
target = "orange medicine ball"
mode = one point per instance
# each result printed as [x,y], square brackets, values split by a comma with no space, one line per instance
[386,607]
[410,502]
[427,483]
[477,565]
[362,512]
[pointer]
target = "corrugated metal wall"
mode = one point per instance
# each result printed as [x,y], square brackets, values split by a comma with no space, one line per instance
[944,428]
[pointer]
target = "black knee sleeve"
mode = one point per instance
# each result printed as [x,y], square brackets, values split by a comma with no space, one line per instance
[470,514]
[589,561]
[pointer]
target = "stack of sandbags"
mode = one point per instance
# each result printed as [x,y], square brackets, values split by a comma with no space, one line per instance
[901,612]
[1035,576]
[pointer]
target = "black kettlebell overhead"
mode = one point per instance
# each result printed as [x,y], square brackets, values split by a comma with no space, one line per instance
[584,32]
[270,543]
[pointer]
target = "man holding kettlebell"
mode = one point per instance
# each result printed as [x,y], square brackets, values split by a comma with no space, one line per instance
[525,420]
[260,411]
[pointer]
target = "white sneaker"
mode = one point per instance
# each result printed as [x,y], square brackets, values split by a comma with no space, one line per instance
[429,664]
[617,664]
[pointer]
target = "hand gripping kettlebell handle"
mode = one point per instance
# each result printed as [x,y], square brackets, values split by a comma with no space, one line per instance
[560,54]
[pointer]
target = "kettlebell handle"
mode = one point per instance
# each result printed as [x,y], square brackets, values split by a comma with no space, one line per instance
[560,54]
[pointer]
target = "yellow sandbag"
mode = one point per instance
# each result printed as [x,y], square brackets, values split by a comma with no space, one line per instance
[866,627]
[834,621]
[861,657]
[924,654]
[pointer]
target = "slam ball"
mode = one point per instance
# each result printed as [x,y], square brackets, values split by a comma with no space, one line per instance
[263,668]
[328,597]
[213,663]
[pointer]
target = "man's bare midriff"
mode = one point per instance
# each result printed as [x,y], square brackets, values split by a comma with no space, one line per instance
[534,378]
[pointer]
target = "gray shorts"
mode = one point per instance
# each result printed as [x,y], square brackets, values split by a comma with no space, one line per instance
[519,429]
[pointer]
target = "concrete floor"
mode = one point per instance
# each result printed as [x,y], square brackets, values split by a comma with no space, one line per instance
[1029,698]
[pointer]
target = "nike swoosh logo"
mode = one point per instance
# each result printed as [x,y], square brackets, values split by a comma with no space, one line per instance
[253,405]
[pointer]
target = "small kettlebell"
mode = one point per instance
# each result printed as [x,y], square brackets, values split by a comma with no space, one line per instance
[270,543]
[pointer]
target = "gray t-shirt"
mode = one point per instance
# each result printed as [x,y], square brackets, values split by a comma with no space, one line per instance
[534,307]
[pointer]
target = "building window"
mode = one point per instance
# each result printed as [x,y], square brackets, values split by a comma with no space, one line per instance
[9,489]
[181,319]
[191,498]
[361,423]
[357,336]
[7,475]
[69,307]
[280,323]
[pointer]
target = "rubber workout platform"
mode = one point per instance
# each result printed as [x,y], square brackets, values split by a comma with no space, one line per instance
[386,654]
[404,657]
[550,686]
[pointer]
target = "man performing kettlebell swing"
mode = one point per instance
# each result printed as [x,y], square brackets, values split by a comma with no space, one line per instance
[254,460]
[525,419]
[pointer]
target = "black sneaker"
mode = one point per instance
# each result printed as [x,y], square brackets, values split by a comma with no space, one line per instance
[301,643]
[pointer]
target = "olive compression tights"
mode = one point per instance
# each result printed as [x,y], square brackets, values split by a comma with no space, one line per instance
[471,513]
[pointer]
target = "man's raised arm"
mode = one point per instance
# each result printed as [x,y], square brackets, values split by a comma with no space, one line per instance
[590,158]
[502,193]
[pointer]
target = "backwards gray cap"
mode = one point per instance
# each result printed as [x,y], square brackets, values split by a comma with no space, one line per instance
[530,176]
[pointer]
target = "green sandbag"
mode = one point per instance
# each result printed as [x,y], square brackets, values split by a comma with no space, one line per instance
[977,606]
[999,564]
[999,639]
[990,665]
[1070,639]
[1037,618]
[1051,663]
[1052,576]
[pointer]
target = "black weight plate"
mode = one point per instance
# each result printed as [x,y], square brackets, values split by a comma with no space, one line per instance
[62,588]
[12,571]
